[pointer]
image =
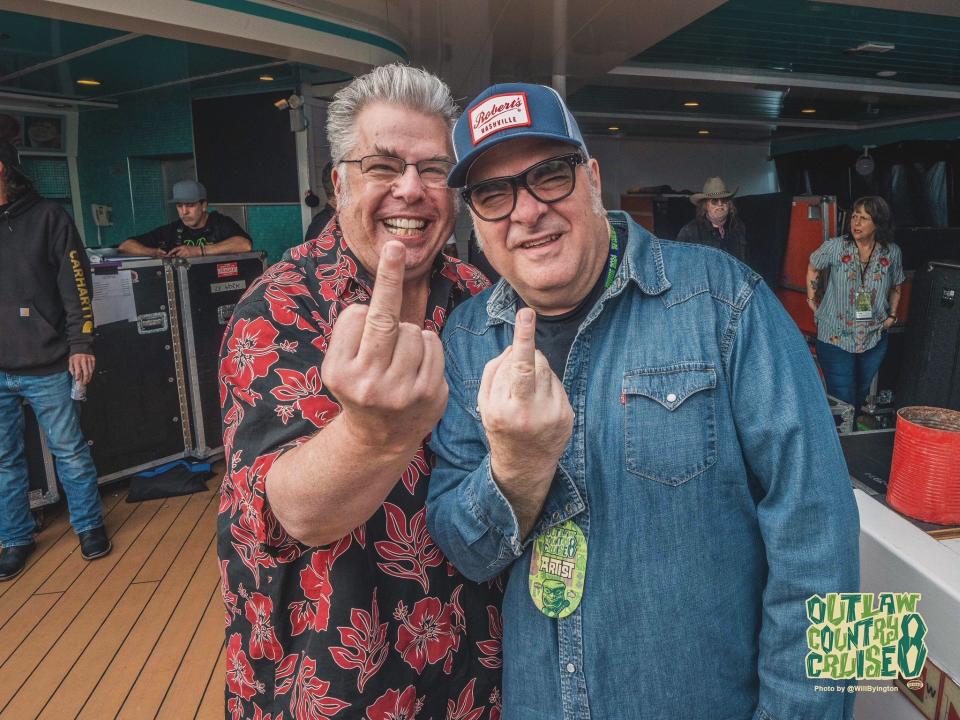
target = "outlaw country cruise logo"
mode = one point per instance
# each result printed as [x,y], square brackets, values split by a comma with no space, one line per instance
[865,636]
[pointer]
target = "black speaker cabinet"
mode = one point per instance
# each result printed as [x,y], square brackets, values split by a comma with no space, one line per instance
[209,288]
[931,369]
[136,413]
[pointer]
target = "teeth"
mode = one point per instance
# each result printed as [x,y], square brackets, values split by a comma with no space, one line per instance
[405,223]
[538,243]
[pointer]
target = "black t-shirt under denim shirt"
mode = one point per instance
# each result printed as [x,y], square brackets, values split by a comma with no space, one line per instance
[556,333]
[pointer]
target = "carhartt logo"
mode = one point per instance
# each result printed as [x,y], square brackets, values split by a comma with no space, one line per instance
[86,305]
[499,112]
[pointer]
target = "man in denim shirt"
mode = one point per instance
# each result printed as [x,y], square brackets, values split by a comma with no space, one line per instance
[660,477]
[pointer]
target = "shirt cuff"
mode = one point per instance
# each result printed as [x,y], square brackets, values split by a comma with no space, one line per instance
[490,509]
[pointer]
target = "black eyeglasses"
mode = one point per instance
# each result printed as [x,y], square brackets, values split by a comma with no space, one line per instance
[548,181]
[387,169]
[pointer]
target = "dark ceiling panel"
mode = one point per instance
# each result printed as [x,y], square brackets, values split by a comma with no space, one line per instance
[140,63]
[813,37]
[26,40]
[603,98]
[654,129]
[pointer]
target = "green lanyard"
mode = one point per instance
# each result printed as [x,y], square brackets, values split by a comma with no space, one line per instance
[613,262]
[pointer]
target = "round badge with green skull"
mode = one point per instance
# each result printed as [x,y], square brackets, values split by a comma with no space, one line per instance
[558,569]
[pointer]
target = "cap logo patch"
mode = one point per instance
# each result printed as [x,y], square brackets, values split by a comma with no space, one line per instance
[497,113]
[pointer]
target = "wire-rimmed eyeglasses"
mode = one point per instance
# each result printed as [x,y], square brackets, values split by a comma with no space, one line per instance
[387,169]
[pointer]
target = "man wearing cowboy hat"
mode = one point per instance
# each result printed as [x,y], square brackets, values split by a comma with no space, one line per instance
[716,223]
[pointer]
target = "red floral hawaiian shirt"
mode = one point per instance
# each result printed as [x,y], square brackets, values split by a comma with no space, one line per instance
[377,625]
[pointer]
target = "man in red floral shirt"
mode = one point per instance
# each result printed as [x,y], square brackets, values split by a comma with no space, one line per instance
[338,603]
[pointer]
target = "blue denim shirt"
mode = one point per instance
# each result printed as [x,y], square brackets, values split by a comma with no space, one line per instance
[706,474]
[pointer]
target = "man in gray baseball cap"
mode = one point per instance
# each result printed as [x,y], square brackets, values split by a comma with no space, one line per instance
[199,231]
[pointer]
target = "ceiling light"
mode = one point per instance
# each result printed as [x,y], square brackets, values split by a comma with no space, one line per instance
[886,73]
[703,132]
[613,128]
[267,78]
[691,104]
[88,81]
[873,46]
[808,111]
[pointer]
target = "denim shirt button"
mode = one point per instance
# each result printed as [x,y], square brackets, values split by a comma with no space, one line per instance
[571,668]
[671,397]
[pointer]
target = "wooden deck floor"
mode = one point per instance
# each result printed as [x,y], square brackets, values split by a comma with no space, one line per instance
[137,634]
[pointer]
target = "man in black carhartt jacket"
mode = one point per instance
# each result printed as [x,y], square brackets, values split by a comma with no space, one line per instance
[46,343]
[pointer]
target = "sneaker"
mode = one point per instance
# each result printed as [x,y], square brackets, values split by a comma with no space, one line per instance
[14,560]
[94,543]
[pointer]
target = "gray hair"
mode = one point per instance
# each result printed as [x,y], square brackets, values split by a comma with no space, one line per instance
[410,87]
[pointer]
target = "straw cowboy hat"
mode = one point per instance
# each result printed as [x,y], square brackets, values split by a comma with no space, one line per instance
[713,189]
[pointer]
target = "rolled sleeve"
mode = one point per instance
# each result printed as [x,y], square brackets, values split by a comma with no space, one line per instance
[467,514]
[898,275]
[823,256]
[807,516]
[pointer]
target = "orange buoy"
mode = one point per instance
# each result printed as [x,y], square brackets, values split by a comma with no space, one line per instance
[925,472]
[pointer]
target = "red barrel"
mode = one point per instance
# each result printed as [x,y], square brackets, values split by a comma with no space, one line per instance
[925,473]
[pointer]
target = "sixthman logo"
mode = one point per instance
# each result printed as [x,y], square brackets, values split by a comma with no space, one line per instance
[855,635]
[499,112]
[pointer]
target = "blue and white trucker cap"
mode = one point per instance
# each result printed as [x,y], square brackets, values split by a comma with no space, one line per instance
[507,111]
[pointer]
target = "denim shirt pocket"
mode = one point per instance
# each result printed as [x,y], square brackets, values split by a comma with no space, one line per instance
[670,433]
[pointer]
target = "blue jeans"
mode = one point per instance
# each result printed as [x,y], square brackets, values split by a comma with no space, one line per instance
[848,374]
[49,396]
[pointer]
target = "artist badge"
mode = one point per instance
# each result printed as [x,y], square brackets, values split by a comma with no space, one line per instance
[558,569]
[864,305]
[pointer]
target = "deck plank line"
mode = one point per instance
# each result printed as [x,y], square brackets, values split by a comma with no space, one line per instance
[74,565]
[39,570]
[31,614]
[185,693]
[93,594]
[68,545]
[127,666]
[44,695]
[144,698]
[57,526]
[213,703]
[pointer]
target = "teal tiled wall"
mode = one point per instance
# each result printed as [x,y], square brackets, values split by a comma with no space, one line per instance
[149,125]
[49,174]
[274,228]
[146,191]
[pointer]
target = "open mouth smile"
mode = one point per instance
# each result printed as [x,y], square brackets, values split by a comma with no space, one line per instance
[531,244]
[405,227]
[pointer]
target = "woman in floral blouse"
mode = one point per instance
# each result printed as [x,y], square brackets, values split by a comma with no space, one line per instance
[859,303]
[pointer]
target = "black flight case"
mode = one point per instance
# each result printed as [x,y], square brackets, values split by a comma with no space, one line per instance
[136,413]
[209,288]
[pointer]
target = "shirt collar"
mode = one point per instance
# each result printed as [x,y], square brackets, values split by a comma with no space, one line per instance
[449,276]
[642,264]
